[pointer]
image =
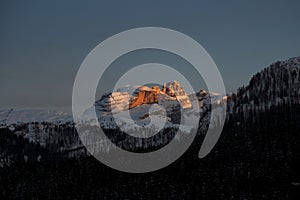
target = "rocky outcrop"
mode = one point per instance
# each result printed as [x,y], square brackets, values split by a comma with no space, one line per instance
[113,102]
[145,95]
[172,96]
[174,89]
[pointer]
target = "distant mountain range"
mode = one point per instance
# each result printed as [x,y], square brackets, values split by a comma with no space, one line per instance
[258,152]
[275,85]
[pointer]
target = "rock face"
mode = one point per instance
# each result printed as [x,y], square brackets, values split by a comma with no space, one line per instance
[145,95]
[113,102]
[169,96]
[174,89]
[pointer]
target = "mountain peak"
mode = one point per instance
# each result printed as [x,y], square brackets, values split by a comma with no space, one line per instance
[277,84]
[133,96]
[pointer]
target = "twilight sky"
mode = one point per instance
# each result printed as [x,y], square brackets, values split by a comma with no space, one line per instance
[42,44]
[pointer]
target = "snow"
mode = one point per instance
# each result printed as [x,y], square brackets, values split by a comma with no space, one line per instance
[9,116]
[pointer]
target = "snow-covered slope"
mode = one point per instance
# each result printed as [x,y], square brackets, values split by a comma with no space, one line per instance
[14,116]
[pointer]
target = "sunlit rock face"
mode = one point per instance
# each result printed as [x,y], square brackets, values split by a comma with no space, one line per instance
[174,89]
[172,97]
[145,95]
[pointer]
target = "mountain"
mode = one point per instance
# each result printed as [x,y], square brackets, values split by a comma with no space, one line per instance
[115,102]
[145,107]
[276,85]
[256,157]
[151,109]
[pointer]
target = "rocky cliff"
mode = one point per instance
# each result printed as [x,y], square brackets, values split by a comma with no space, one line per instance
[113,102]
[174,89]
[172,93]
[145,95]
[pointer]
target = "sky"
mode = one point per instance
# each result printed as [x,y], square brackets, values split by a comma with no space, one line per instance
[43,43]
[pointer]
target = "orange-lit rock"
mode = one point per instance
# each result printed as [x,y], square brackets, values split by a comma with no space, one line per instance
[145,95]
[171,96]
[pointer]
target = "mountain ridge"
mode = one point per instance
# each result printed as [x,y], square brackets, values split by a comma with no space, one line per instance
[265,89]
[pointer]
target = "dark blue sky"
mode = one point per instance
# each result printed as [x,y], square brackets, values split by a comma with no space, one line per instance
[42,44]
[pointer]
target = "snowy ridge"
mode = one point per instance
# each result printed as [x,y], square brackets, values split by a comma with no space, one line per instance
[11,116]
